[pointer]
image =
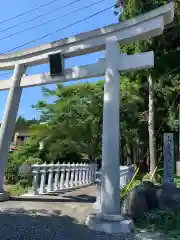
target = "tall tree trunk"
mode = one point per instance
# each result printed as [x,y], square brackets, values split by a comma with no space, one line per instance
[151,125]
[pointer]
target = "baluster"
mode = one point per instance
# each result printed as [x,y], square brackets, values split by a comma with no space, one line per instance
[43,170]
[126,177]
[76,175]
[95,170]
[86,168]
[121,181]
[35,183]
[92,173]
[68,168]
[130,172]
[80,173]
[87,173]
[56,180]
[50,177]
[84,173]
[94,167]
[63,169]
[72,174]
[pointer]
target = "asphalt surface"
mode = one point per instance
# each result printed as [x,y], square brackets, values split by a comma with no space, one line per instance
[59,217]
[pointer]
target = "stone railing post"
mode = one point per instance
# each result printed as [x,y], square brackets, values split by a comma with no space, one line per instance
[63,169]
[35,182]
[56,180]
[87,174]
[93,173]
[50,177]
[84,174]
[123,176]
[76,175]
[72,174]
[130,172]
[43,171]
[90,173]
[97,204]
[80,173]
[68,169]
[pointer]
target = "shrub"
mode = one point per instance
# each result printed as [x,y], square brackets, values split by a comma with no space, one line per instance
[159,175]
[17,190]
[177,181]
[13,173]
[125,190]
[147,177]
[161,220]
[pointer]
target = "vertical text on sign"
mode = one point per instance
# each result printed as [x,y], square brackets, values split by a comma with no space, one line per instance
[168,152]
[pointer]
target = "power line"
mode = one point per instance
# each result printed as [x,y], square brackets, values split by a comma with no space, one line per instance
[53,19]
[41,15]
[31,10]
[51,33]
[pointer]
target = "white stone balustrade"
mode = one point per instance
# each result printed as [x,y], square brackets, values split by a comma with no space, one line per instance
[126,174]
[49,178]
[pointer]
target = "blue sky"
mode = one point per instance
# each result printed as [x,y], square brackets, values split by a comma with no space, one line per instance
[11,8]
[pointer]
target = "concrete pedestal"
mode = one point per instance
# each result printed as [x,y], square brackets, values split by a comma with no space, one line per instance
[97,204]
[112,224]
[4,196]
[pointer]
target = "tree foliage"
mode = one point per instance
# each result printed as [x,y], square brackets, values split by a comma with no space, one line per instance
[23,124]
[72,126]
[165,73]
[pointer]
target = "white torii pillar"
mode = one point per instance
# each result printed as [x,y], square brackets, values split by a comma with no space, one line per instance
[109,219]
[8,123]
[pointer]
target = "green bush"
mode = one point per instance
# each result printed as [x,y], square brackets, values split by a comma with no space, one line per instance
[159,174]
[125,190]
[177,181]
[165,221]
[17,190]
[12,173]
[147,177]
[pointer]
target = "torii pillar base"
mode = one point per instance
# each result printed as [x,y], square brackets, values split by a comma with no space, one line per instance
[4,196]
[111,224]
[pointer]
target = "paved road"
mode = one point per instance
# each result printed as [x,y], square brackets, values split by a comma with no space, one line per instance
[49,218]
[55,218]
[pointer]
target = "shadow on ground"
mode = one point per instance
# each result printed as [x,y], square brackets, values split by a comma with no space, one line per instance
[82,198]
[18,224]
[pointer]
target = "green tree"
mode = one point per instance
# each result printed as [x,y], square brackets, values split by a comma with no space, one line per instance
[165,75]
[74,121]
[22,123]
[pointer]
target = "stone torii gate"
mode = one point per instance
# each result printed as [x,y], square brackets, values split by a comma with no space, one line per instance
[107,38]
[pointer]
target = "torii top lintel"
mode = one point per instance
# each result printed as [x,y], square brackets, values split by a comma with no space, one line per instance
[144,26]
